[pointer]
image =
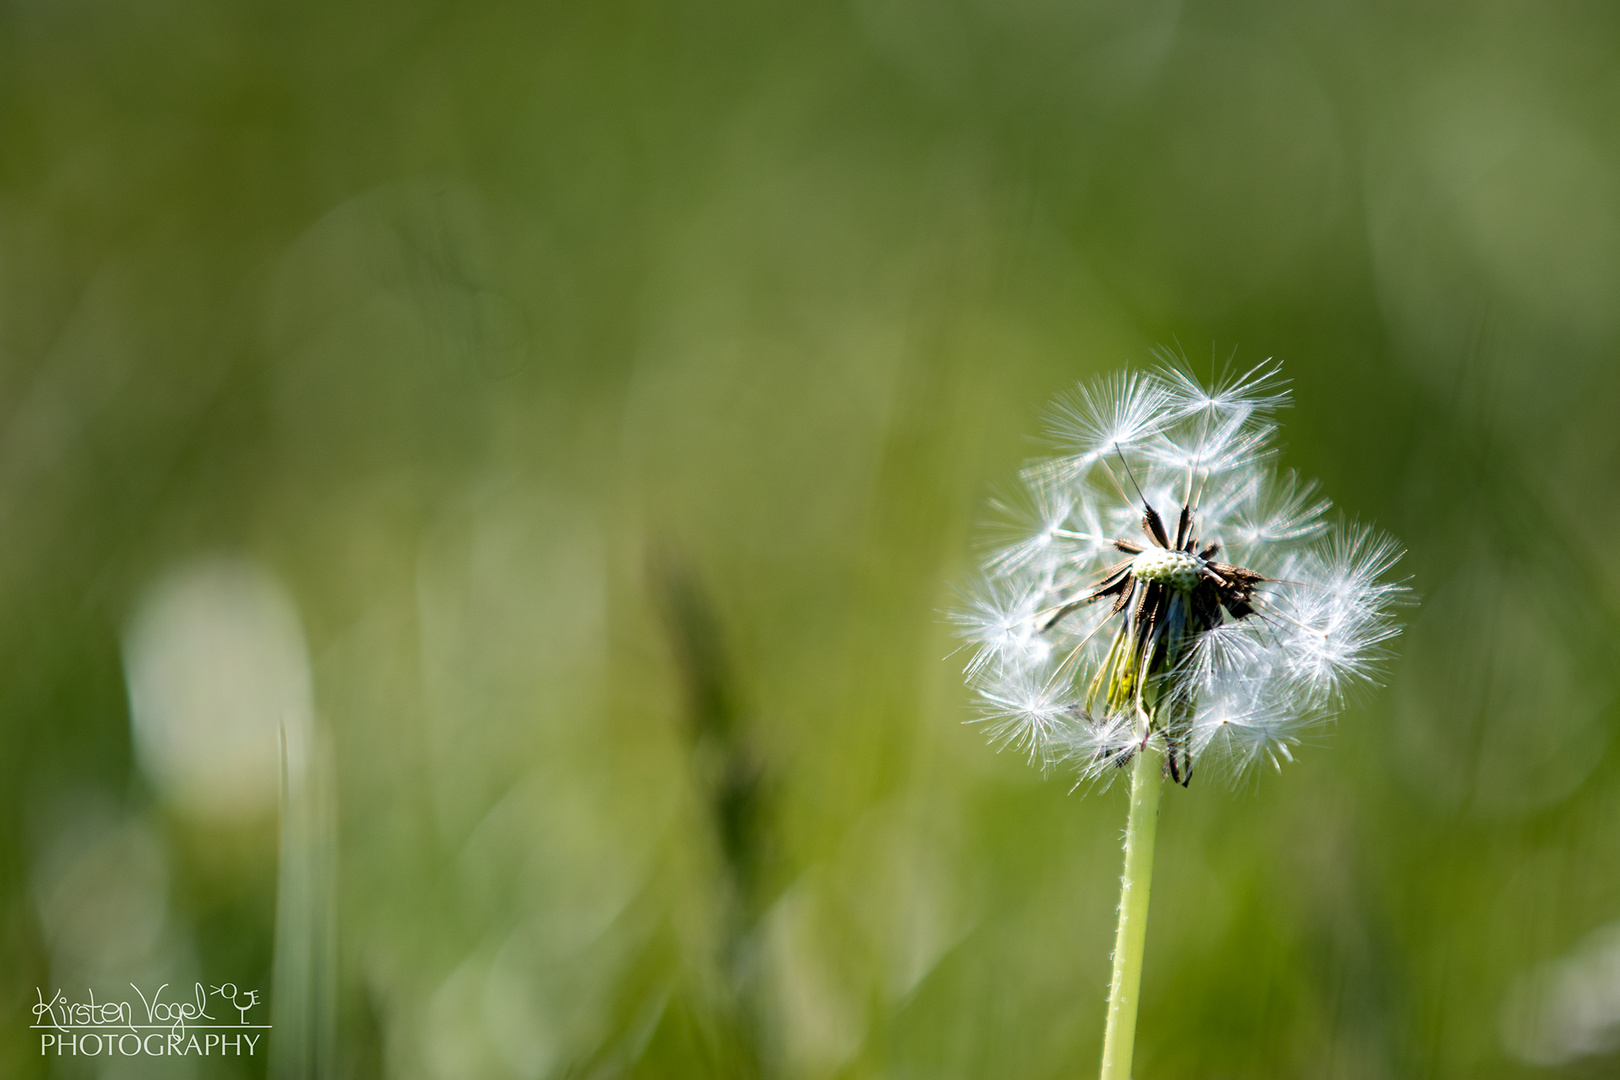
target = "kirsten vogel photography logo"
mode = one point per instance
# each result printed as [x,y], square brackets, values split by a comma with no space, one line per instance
[161,1025]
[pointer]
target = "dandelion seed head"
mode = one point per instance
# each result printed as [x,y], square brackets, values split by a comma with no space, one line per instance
[1162,584]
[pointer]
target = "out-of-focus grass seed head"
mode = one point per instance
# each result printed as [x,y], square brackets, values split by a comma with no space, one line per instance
[1161,583]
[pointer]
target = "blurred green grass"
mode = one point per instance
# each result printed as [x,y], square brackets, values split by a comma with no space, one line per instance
[459,319]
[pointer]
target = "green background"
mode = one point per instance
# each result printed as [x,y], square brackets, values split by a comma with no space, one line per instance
[616,389]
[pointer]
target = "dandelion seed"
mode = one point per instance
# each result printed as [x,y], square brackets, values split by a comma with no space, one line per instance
[1025,713]
[1002,623]
[1117,413]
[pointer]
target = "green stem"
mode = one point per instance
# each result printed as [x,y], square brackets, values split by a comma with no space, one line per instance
[1120,1038]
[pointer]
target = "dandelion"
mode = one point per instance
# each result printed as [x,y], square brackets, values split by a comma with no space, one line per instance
[1169,599]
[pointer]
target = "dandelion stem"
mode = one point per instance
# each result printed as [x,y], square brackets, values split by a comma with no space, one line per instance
[1120,1037]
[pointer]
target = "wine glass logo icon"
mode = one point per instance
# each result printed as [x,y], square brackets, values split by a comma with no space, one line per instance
[243,1000]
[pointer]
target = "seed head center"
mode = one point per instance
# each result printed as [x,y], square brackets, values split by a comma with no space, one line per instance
[1178,569]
